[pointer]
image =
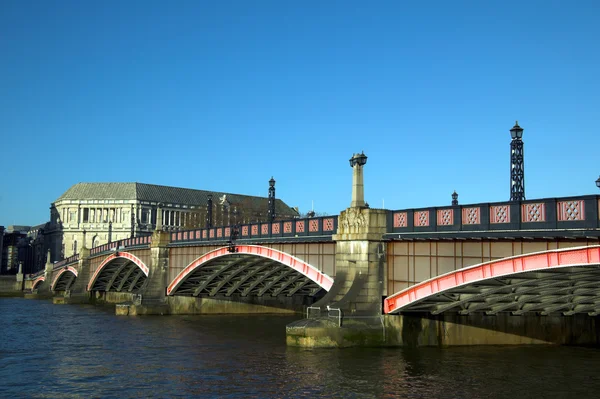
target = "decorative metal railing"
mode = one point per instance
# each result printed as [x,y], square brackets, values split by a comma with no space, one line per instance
[126,243]
[318,226]
[542,214]
[66,261]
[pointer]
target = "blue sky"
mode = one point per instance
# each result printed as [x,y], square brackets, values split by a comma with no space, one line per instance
[223,95]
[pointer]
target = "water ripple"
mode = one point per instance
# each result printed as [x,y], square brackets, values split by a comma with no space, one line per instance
[48,351]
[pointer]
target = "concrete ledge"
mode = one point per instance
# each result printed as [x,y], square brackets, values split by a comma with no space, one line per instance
[131,309]
[36,295]
[200,305]
[417,330]
[312,333]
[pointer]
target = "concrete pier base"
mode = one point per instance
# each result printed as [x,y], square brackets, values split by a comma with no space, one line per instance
[320,333]
[69,300]
[448,330]
[132,309]
[38,295]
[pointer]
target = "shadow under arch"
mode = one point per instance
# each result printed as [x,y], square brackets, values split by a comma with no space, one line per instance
[64,279]
[121,271]
[251,270]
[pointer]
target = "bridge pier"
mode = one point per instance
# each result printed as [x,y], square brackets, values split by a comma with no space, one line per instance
[153,300]
[78,293]
[350,314]
[45,291]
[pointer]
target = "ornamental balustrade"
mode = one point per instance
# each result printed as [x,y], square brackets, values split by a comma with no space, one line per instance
[539,214]
[66,261]
[136,242]
[306,227]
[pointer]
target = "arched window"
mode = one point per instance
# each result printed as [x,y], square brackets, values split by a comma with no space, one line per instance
[95,241]
[75,247]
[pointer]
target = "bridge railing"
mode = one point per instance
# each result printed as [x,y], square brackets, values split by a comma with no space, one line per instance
[143,241]
[306,227]
[537,214]
[66,261]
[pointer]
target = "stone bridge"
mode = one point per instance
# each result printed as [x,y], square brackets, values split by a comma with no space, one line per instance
[425,276]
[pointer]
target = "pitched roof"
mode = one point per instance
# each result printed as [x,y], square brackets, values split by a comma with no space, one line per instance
[165,194]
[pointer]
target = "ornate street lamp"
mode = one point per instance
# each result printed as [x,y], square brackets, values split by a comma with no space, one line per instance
[517,168]
[271,210]
[358,194]
[454,198]
[358,159]
[598,182]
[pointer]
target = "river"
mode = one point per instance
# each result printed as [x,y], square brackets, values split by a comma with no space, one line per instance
[74,351]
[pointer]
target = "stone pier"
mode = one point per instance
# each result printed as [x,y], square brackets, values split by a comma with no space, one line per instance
[153,300]
[350,314]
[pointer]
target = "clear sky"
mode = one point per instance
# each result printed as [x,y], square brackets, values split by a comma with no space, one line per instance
[222,95]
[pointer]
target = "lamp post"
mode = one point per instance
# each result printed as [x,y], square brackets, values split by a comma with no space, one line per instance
[454,198]
[598,182]
[209,206]
[358,192]
[517,169]
[271,210]
[132,222]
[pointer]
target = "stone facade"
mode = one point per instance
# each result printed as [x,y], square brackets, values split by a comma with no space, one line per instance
[93,214]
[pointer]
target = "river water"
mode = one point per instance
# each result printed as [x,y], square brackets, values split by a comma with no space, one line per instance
[74,351]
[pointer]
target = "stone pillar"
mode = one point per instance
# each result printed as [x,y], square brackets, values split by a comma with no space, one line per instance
[153,295]
[358,194]
[360,261]
[78,291]
[44,290]
[159,217]
[351,312]
[20,276]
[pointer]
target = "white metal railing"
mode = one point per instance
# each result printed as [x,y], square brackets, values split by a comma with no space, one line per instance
[339,314]
[308,309]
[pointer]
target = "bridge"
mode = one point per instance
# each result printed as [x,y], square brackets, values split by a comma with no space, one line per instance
[517,272]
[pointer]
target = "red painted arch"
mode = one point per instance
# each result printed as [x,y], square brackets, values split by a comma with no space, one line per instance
[499,268]
[299,265]
[60,273]
[106,261]
[37,281]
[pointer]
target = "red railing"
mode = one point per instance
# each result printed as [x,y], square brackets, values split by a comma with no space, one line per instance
[318,226]
[125,243]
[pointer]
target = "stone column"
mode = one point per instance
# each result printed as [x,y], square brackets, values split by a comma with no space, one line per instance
[154,299]
[159,217]
[358,196]
[78,291]
[360,261]
[44,290]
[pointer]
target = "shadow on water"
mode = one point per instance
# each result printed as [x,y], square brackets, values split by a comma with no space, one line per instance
[74,351]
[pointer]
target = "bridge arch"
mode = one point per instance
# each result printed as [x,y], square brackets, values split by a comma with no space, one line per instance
[120,271]
[251,270]
[64,279]
[37,282]
[565,281]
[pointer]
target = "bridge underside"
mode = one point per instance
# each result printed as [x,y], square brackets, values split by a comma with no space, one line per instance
[120,275]
[245,275]
[569,291]
[559,282]
[65,281]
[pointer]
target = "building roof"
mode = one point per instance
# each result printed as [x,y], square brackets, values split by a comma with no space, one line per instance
[166,195]
[17,229]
